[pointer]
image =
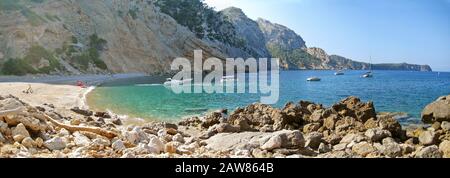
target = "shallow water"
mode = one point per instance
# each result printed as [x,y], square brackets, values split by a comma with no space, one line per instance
[391,91]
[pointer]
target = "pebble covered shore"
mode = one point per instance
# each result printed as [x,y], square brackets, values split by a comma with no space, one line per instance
[348,129]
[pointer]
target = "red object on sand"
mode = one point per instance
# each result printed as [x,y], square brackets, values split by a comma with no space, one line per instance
[81,84]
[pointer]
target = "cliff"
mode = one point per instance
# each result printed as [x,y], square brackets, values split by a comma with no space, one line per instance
[83,36]
[121,36]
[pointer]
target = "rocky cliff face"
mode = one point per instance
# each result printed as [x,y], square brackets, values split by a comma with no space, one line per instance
[279,35]
[248,30]
[83,36]
[138,37]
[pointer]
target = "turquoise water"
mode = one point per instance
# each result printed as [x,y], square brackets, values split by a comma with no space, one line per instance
[391,91]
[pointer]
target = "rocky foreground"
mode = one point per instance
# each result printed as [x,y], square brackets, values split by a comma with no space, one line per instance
[348,129]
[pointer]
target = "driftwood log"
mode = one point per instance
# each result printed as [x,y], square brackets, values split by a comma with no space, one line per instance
[70,128]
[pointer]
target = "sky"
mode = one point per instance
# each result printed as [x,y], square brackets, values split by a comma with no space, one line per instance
[387,31]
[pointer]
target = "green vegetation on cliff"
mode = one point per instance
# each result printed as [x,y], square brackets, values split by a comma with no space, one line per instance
[37,61]
[297,57]
[17,67]
[91,55]
[202,20]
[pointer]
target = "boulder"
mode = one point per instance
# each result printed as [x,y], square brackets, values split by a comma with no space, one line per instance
[444,147]
[156,145]
[429,152]
[178,138]
[117,121]
[80,139]
[39,142]
[28,142]
[445,125]
[377,134]
[437,111]
[211,119]
[392,125]
[371,123]
[324,148]
[274,142]
[99,141]
[82,111]
[353,107]
[118,145]
[313,140]
[363,148]
[330,122]
[316,116]
[390,148]
[131,136]
[102,115]
[56,143]
[226,128]
[427,137]
[312,127]
[20,132]
[2,138]
[170,148]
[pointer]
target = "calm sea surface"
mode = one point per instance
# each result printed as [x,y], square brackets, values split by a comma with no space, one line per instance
[391,91]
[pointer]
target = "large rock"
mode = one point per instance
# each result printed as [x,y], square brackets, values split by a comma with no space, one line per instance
[363,148]
[445,126]
[82,111]
[56,143]
[2,138]
[155,145]
[313,140]
[427,137]
[250,140]
[437,111]
[391,148]
[80,139]
[353,107]
[377,134]
[28,142]
[429,152]
[19,133]
[444,147]
[274,142]
[118,145]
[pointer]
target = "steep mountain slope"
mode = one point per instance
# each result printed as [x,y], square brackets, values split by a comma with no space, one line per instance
[116,36]
[248,30]
[125,35]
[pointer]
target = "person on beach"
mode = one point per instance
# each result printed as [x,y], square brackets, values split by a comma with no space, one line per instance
[29,90]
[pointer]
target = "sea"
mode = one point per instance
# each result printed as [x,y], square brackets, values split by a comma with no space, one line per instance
[403,92]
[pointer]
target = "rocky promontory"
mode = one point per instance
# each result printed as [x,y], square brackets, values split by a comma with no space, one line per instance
[347,129]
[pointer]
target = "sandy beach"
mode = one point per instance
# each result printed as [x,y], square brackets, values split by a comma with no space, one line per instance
[60,91]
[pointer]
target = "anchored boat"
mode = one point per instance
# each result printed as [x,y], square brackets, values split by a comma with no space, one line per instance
[339,72]
[313,79]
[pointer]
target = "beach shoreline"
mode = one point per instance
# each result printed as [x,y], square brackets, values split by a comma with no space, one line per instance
[60,91]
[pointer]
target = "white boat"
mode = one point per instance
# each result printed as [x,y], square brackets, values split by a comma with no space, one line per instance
[367,75]
[313,79]
[339,72]
[170,81]
[227,78]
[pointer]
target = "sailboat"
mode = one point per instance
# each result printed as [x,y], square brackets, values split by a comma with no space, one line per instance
[368,74]
[339,72]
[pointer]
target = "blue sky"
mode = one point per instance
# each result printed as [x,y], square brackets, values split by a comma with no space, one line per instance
[412,31]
